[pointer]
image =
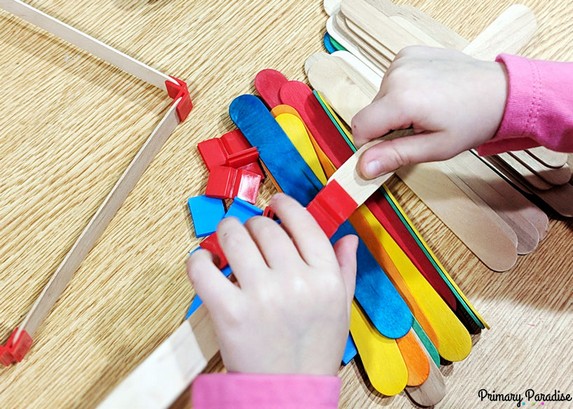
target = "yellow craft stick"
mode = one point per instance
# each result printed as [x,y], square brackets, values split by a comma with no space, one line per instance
[296,132]
[381,357]
[447,333]
[436,259]
[325,161]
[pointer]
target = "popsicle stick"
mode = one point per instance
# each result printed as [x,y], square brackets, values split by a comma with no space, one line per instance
[548,157]
[558,198]
[374,55]
[486,240]
[296,131]
[98,223]
[331,6]
[418,21]
[525,173]
[168,371]
[364,37]
[268,83]
[344,94]
[359,67]
[350,47]
[415,358]
[461,298]
[508,33]
[325,162]
[426,342]
[380,356]
[87,43]
[472,171]
[341,94]
[515,201]
[379,25]
[432,391]
[447,333]
[553,176]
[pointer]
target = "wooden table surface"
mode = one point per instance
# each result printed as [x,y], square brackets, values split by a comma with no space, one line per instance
[70,124]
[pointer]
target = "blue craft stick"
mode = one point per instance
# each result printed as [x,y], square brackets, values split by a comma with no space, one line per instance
[243,210]
[197,302]
[327,40]
[350,351]
[206,213]
[275,149]
[376,294]
[374,291]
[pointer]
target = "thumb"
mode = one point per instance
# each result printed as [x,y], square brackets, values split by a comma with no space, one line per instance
[387,156]
[345,250]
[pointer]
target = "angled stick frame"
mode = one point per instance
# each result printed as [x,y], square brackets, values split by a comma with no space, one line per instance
[20,341]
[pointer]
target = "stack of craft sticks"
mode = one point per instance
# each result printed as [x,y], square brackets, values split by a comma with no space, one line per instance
[363,37]
[408,317]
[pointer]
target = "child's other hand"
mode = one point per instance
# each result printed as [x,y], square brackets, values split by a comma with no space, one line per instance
[290,312]
[452,101]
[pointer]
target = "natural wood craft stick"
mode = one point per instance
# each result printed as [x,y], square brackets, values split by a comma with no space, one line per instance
[520,169]
[374,55]
[558,198]
[553,176]
[161,378]
[548,157]
[474,172]
[462,216]
[515,201]
[331,6]
[87,43]
[379,25]
[358,67]
[99,223]
[512,30]
[346,43]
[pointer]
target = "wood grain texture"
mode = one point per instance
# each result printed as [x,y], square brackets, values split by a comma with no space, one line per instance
[131,293]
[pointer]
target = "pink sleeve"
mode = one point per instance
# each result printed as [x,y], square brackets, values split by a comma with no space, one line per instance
[539,107]
[247,391]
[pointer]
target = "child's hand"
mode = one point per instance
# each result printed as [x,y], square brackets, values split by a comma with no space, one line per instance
[290,312]
[452,101]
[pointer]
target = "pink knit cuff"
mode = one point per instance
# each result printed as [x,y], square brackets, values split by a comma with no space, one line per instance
[521,109]
[242,391]
[539,107]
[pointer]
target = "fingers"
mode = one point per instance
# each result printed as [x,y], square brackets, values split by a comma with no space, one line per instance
[309,239]
[387,156]
[212,286]
[273,242]
[345,250]
[377,119]
[241,251]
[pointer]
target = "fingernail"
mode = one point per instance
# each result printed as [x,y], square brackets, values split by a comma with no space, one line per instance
[372,169]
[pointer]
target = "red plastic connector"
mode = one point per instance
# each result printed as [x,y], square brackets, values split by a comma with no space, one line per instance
[14,351]
[331,207]
[213,153]
[227,183]
[234,141]
[177,91]
[211,244]
[243,158]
